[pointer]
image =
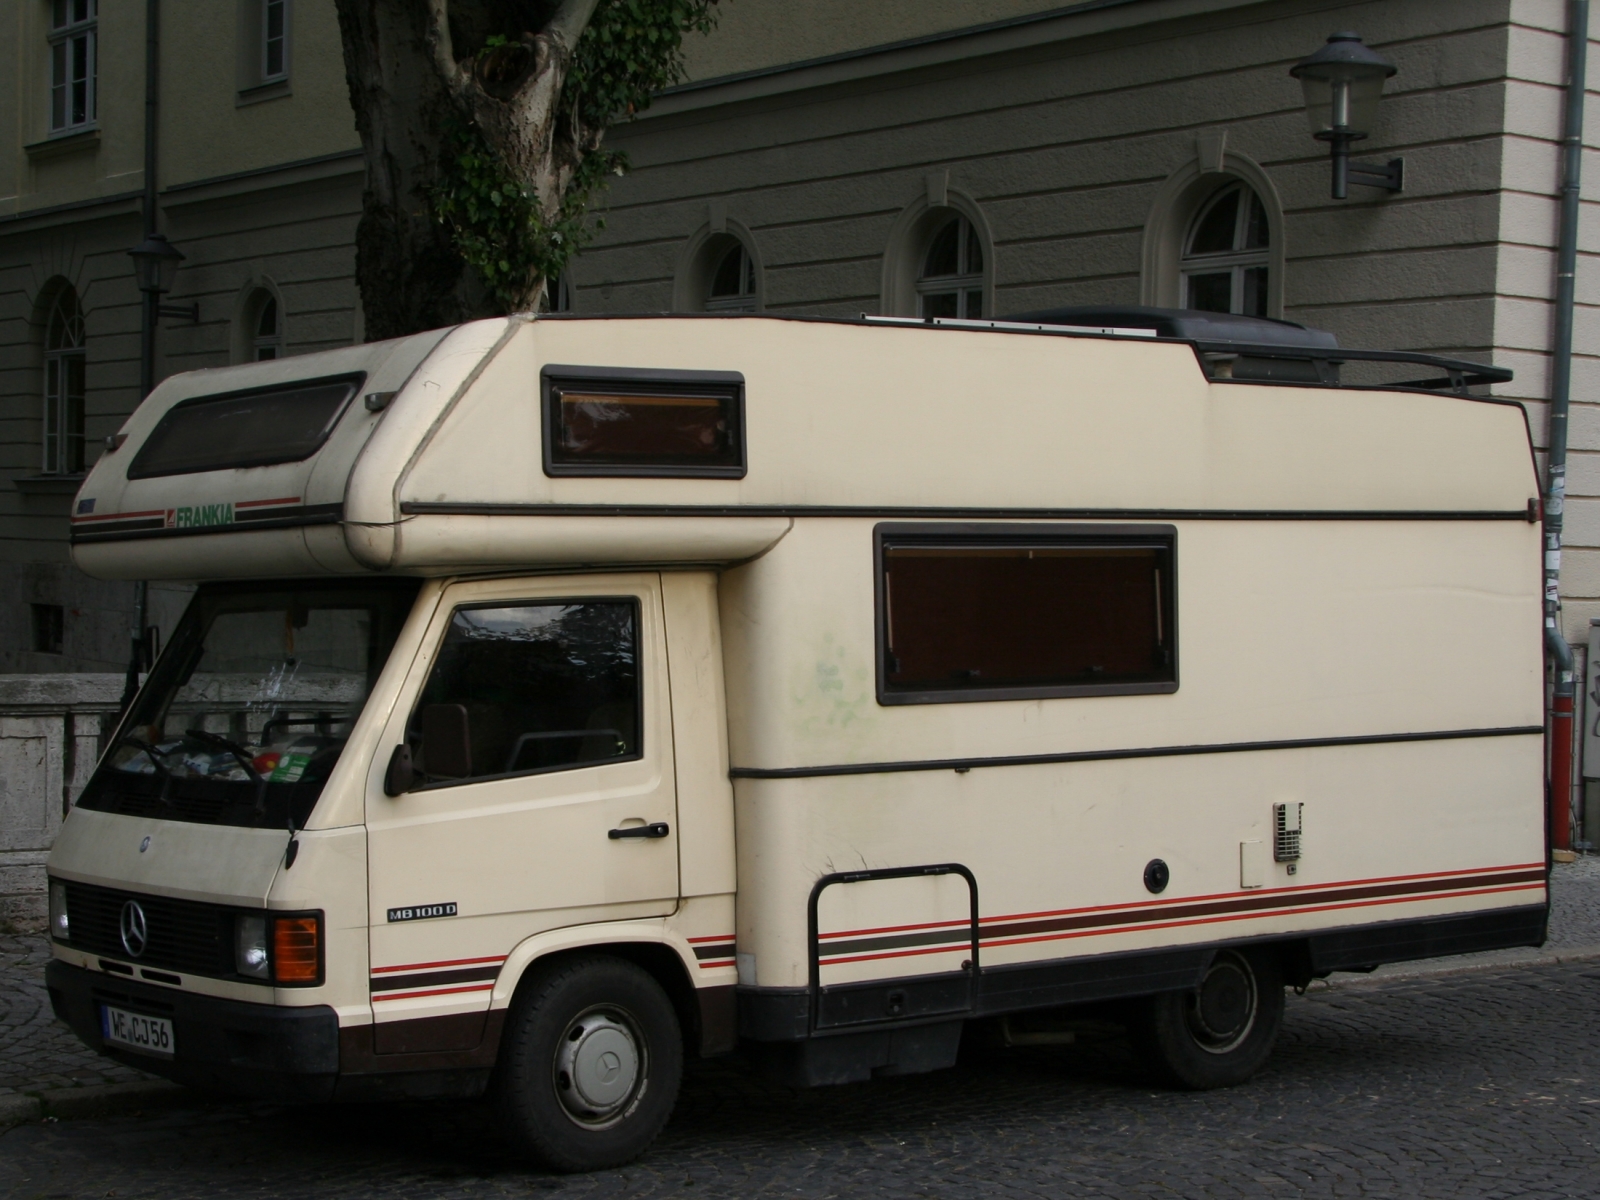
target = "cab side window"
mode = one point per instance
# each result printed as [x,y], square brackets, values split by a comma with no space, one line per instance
[524,688]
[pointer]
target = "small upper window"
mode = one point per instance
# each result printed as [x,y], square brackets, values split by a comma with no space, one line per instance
[524,688]
[254,428]
[64,370]
[733,283]
[1023,612]
[557,296]
[1226,254]
[659,423]
[268,340]
[73,66]
[274,40]
[951,284]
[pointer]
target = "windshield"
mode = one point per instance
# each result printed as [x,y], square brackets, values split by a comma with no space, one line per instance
[246,713]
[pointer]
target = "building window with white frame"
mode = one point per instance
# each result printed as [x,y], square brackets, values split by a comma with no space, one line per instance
[733,282]
[63,385]
[951,283]
[1225,255]
[267,336]
[73,55]
[274,40]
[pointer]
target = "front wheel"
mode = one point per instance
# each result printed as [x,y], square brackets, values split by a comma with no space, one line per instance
[1221,1033]
[590,1065]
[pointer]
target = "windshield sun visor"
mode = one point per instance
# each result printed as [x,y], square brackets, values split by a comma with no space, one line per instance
[257,427]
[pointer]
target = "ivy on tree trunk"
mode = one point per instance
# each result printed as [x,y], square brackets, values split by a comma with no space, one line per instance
[482,123]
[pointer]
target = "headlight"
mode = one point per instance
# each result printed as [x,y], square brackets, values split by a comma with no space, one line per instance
[250,947]
[59,928]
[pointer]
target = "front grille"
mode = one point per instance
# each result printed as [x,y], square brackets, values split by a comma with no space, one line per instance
[182,935]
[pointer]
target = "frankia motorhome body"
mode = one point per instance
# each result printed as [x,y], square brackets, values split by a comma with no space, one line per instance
[563,695]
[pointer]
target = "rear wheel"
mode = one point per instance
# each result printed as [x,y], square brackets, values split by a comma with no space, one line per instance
[1221,1033]
[590,1065]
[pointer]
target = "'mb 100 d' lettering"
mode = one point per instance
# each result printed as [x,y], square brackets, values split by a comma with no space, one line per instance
[421,912]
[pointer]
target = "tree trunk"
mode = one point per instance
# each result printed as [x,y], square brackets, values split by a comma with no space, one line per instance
[409,273]
[407,89]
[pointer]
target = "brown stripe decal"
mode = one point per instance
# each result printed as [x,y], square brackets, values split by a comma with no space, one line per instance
[713,951]
[849,946]
[430,979]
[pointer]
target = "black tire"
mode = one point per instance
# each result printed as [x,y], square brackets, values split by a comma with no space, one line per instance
[1221,1033]
[563,1085]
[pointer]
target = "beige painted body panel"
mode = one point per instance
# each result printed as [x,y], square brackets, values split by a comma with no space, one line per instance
[1350,565]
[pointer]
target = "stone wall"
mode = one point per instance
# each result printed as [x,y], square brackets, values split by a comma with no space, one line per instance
[52,729]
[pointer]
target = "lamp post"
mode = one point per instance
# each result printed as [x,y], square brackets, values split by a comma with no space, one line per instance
[1343,83]
[155,266]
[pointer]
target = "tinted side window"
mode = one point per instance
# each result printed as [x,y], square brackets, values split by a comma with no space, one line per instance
[999,618]
[523,688]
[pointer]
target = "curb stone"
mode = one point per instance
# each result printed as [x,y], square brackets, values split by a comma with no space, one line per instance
[14,1110]
[98,1100]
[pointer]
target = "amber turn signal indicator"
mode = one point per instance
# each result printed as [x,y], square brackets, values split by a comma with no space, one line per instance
[296,949]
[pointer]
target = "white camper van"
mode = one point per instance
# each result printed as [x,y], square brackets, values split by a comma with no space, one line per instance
[562,696]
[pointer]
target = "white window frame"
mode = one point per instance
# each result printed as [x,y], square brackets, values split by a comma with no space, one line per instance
[270,343]
[1235,262]
[66,32]
[745,300]
[963,285]
[267,74]
[63,443]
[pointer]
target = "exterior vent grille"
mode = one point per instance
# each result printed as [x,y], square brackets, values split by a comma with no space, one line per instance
[182,935]
[1286,832]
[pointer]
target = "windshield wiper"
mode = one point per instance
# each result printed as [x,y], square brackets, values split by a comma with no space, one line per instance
[155,754]
[244,760]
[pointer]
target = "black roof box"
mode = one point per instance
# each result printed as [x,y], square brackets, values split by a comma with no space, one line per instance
[1191,324]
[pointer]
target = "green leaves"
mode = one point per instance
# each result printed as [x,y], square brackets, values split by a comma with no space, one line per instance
[631,49]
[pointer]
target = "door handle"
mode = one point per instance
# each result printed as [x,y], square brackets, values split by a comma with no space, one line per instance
[656,829]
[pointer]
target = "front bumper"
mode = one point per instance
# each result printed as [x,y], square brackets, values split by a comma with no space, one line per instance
[220,1045]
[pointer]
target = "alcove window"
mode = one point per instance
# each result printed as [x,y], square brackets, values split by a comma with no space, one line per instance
[733,282]
[274,40]
[63,384]
[951,283]
[1225,255]
[73,65]
[267,340]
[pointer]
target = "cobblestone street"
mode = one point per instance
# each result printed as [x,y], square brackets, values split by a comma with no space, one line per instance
[1482,1083]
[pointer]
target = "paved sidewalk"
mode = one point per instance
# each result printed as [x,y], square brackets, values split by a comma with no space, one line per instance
[40,1055]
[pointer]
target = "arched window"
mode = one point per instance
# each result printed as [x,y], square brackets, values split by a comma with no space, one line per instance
[1225,254]
[266,329]
[951,283]
[63,384]
[733,282]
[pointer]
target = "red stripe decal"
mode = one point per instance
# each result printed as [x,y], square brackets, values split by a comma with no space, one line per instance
[449,962]
[721,937]
[121,516]
[476,987]
[1143,926]
[1309,890]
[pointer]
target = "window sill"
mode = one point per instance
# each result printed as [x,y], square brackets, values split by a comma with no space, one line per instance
[272,90]
[64,143]
[49,485]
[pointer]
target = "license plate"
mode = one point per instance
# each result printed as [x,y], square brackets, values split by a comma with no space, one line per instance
[148,1035]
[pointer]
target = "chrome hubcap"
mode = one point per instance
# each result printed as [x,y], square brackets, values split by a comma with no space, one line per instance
[1222,1011]
[599,1068]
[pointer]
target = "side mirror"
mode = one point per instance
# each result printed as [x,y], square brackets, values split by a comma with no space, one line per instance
[400,777]
[446,743]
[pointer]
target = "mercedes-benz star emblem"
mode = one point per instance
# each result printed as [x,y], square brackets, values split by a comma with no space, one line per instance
[135,934]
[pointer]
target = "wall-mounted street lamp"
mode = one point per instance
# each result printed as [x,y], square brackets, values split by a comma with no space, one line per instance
[155,266]
[1343,83]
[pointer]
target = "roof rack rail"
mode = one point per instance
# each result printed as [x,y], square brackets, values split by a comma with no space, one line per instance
[1222,360]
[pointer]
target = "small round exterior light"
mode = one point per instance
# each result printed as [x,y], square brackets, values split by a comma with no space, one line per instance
[1343,83]
[155,263]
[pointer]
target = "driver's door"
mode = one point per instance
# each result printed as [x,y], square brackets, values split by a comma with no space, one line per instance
[537,718]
